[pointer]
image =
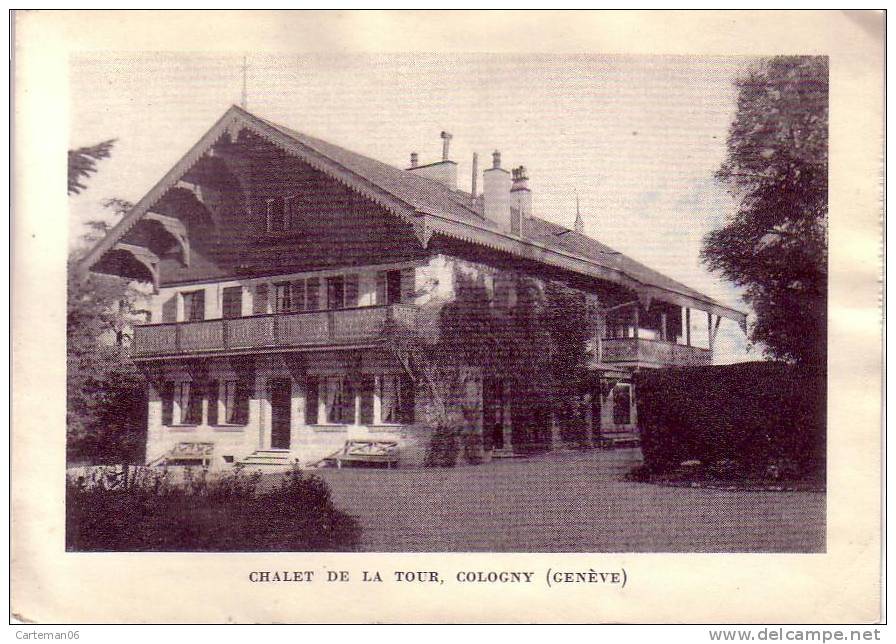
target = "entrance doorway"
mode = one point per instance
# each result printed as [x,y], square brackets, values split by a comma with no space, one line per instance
[281,403]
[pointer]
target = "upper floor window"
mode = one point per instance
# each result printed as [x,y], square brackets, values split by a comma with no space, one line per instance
[388,287]
[280,214]
[194,306]
[283,300]
[342,291]
[505,291]
[336,292]
[622,404]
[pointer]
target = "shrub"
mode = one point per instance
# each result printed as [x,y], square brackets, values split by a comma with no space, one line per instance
[745,419]
[229,514]
[443,447]
[473,445]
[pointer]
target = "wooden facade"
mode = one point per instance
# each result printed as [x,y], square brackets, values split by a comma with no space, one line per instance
[277,260]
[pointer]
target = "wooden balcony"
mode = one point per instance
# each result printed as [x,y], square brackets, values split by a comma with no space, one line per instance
[638,352]
[345,327]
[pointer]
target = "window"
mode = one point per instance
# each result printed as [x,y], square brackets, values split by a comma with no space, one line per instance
[329,400]
[282,297]
[505,291]
[337,400]
[189,404]
[335,292]
[194,306]
[622,404]
[232,302]
[395,397]
[298,295]
[312,294]
[260,302]
[229,401]
[277,216]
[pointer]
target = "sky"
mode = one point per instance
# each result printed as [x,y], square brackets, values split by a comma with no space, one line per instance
[638,138]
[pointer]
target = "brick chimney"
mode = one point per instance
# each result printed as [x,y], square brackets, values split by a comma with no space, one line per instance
[496,193]
[444,171]
[520,200]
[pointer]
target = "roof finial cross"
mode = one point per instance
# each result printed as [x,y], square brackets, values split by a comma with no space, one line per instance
[579,226]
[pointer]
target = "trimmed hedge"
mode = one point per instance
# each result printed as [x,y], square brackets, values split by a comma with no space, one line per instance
[765,419]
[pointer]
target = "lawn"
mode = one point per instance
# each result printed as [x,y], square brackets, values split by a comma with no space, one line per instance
[568,502]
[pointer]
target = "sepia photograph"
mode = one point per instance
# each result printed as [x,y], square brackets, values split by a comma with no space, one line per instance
[470,303]
[384,335]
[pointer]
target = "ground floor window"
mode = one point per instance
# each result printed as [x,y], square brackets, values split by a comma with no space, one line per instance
[337,400]
[364,399]
[188,406]
[622,404]
[227,402]
[394,399]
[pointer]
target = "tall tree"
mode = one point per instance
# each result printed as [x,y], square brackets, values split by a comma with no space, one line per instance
[775,245]
[82,163]
[106,407]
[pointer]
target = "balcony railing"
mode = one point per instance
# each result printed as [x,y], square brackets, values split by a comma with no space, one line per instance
[317,328]
[653,353]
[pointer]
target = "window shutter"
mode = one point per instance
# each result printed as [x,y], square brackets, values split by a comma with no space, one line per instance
[244,388]
[232,302]
[347,409]
[169,309]
[381,288]
[198,312]
[351,290]
[406,412]
[260,305]
[194,408]
[313,298]
[408,288]
[365,391]
[311,400]
[213,402]
[168,403]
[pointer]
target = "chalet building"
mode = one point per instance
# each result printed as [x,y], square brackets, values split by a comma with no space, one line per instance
[276,260]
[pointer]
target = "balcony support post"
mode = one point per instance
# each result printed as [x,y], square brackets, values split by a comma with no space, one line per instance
[637,320]
[687,325]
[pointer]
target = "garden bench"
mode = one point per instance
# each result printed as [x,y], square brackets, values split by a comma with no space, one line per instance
[188,454]
[359,451]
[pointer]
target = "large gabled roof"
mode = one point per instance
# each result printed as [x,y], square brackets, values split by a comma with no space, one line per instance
[431,208]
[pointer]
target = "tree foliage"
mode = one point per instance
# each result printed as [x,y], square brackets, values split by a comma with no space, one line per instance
[82,163]
[775,245]
[106,407]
